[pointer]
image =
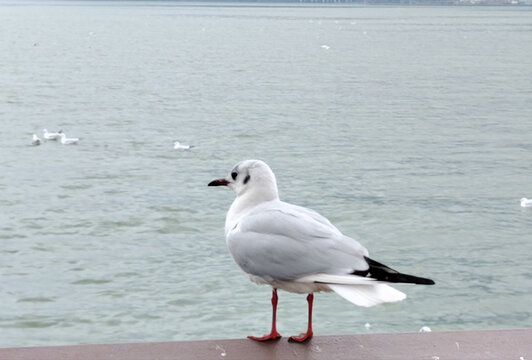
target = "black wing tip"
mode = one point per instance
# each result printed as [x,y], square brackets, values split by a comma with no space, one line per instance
[382,272]
[424,281]
[407,279]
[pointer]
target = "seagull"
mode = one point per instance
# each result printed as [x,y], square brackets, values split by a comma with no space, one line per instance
[179,146]
[526,202]
[67,141]
[295,249]
[51,136]
[35,140]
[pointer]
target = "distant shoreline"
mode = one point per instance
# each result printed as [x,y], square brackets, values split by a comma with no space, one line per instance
[505,3]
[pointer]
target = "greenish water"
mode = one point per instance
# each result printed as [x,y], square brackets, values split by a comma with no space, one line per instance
[408,127]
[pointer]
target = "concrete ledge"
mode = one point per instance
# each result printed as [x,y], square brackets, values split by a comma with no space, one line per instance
[470,345]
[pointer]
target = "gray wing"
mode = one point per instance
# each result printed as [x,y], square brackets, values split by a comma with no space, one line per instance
[285,242]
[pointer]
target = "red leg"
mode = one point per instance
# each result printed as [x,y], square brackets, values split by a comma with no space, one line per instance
[273,335]
[308,335]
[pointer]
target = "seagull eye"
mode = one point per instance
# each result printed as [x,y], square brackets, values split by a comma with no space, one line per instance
[234,174]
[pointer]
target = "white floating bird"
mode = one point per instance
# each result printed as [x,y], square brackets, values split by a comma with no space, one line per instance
[296,249]
[51,136]
[35,140]
[526,202]
[179,146]
[67,141]
[326,47]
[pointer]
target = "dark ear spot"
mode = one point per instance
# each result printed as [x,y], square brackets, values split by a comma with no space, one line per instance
[246,179]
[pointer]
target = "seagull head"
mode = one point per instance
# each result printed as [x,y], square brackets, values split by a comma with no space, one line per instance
[251,178]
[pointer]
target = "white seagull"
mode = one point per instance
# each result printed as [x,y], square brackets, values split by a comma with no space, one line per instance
[526,202]
[67,141]
[295,249]
[179,146]
[35,140]
[51,136]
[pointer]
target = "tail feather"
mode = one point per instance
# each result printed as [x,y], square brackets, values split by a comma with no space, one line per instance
[337,279]
[368,295]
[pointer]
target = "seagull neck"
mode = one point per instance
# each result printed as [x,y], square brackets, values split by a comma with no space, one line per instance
[243,204]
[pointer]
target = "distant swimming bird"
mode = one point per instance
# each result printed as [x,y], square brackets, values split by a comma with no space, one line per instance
[51,136]
[526,202]
[67,141]
[36,140]
[326,47]
[179,146]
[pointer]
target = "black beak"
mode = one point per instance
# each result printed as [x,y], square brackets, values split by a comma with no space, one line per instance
[219,182]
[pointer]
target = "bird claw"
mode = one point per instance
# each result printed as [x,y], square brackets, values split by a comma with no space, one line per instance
[274,335]
[301,338]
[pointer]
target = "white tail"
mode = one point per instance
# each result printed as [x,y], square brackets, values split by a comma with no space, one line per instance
[368,295]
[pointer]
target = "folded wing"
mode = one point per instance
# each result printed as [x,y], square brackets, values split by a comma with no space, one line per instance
[280,241]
